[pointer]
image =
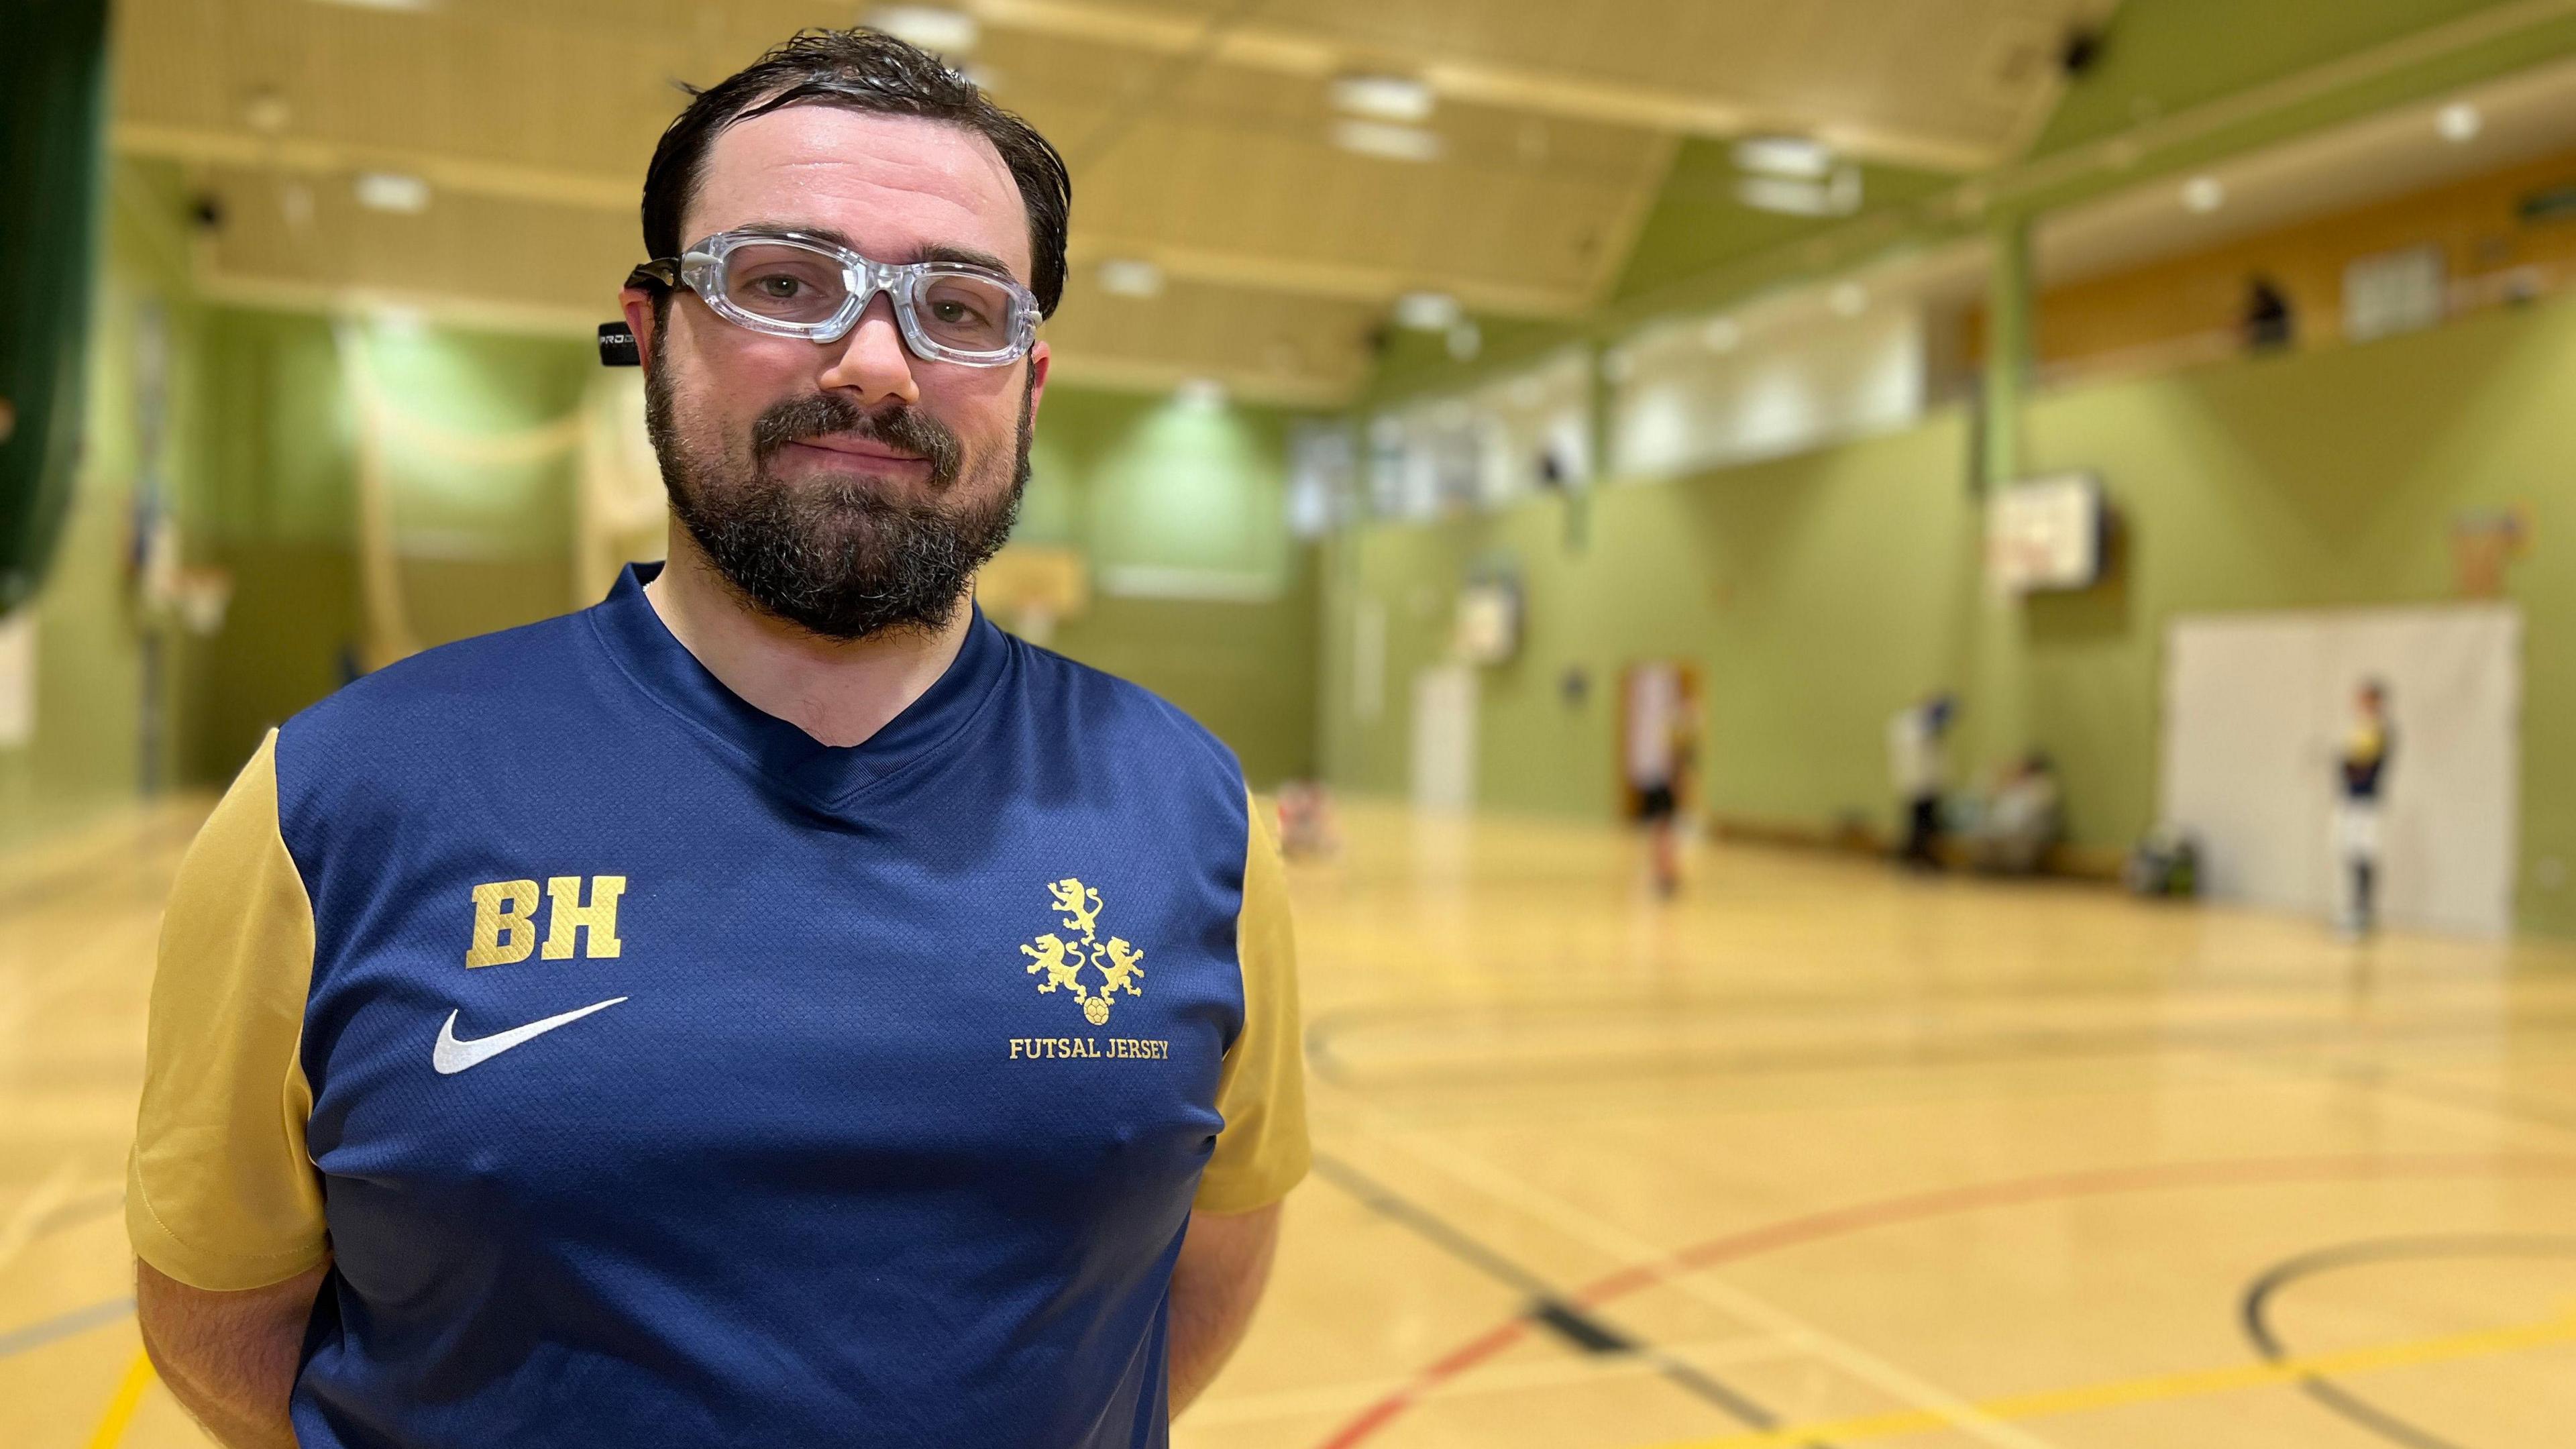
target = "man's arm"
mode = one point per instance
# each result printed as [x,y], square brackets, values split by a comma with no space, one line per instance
[1225,1260]
[230,1358]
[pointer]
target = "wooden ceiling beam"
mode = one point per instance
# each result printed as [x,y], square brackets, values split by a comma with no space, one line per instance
[1503,87]
[1256,271]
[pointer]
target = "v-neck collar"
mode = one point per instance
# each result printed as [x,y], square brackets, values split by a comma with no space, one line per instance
[659,664]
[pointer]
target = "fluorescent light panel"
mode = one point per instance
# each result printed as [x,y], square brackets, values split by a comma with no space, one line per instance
[393,191]
[1796,157]
[1131,277]
[1838,195]
[1387,141]
[1398,98]
[934,28]
[1427,311]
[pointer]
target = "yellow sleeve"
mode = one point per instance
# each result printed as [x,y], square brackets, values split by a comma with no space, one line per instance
[219,1192]
[1261,1150]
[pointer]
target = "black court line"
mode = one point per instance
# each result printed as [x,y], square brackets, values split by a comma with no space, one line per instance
[1548,1308]
[2256,1313]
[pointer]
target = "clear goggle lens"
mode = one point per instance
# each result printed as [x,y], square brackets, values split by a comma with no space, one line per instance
[805,288]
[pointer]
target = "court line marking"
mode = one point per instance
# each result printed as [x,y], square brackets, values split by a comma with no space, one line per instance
[39,1203]
[2254,1311]
[1616,1242]
[64,1325]
[1502,1378]
[120,1408]
[2160,1388]
[1548,1304]
[1942,1202]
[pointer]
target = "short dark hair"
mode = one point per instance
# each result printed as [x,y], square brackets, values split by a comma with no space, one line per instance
[862,70]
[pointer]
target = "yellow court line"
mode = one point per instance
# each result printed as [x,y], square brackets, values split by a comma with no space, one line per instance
[120,1409]
[2158,1387]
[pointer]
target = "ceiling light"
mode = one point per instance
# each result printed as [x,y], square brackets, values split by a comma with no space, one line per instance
[1386,141]
[934,28]
[1131,277]
[1721,335]
[400,321]
[393,191]
[2203,194]
[1383,97]
[1201,392]
[1847,299]
[981,77]
[1794,156]
[2458,122]
[1427,311]
[268,113]
[1838,195]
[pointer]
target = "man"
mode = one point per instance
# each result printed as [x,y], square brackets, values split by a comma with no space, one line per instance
[2361,775]
[772,1007]
[1914,760]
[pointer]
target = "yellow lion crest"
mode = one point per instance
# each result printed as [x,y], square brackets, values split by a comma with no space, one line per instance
[1062,962]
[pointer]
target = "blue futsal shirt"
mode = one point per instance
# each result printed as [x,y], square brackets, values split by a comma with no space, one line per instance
[648,1073]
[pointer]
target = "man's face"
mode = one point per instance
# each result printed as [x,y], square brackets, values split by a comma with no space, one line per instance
[847,487]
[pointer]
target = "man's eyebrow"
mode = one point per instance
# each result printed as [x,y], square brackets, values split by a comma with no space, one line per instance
[961,256]
[931,252]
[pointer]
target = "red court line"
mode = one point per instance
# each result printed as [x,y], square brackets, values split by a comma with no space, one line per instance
[1942,1202]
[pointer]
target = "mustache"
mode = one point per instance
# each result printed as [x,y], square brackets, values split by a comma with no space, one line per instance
[906,428]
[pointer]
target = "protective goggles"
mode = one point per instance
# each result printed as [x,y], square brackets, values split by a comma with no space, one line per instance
[788,284]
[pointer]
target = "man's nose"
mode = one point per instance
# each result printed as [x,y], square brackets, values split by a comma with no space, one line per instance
[873,362]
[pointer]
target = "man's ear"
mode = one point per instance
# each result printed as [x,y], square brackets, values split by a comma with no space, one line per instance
[1039,361]
[637,304]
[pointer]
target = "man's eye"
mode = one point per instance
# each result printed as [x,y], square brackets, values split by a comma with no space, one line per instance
[956,312]
[781,288]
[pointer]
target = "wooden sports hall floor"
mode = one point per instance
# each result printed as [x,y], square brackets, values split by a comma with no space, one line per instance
[1817,1155]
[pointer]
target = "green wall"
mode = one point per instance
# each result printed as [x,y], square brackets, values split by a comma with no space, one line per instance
[1819,592]
[88,751]
[484,543]
[1185,497]
[1135,482]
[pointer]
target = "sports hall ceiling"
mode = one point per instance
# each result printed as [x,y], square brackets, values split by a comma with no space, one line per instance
[1583,153]
[1201,133]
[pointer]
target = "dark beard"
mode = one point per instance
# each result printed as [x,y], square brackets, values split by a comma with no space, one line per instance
[831,555]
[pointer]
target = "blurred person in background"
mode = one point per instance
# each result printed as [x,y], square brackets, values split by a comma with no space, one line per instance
[2361,782]
[1306,825]
[2022,819]
[1661,754]
[2270,321]
[1916,765]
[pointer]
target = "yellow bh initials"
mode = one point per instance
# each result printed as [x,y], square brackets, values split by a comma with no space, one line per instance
[505,919]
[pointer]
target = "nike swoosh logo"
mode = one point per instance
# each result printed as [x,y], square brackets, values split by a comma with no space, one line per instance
[452,1056]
